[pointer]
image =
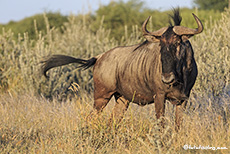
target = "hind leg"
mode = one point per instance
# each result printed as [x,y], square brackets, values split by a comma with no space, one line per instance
[99,104]
[119,109]
[102,96]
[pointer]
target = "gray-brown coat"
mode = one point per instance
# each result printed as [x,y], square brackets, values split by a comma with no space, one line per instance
[162,67]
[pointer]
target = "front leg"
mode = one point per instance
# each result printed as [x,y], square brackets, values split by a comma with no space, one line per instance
[160,106]
[179,114]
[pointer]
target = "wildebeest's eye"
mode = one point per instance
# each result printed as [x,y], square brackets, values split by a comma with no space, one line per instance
[178,42]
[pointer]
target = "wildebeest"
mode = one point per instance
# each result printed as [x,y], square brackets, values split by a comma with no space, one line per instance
[160,68]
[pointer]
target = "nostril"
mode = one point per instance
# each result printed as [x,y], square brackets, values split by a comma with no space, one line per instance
[168,77]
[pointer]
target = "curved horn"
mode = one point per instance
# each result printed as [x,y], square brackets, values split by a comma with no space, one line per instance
[180,30]
[155,33]
[144,30]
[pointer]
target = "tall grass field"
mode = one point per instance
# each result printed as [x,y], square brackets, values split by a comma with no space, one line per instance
[41,115]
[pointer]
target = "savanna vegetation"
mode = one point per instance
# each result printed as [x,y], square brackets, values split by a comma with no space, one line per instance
[41,115]
[212,4]
[116,16]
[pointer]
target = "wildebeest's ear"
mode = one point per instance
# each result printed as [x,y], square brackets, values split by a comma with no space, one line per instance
[151,38]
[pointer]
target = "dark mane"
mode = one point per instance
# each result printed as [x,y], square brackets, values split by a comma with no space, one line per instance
[140,45]
[175,17]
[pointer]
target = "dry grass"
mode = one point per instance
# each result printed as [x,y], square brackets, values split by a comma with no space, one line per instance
[29,124]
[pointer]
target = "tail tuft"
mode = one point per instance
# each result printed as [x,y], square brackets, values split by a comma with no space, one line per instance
[88,63]
[60,60]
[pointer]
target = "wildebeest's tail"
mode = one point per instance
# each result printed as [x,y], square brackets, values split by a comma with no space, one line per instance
[60,60]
